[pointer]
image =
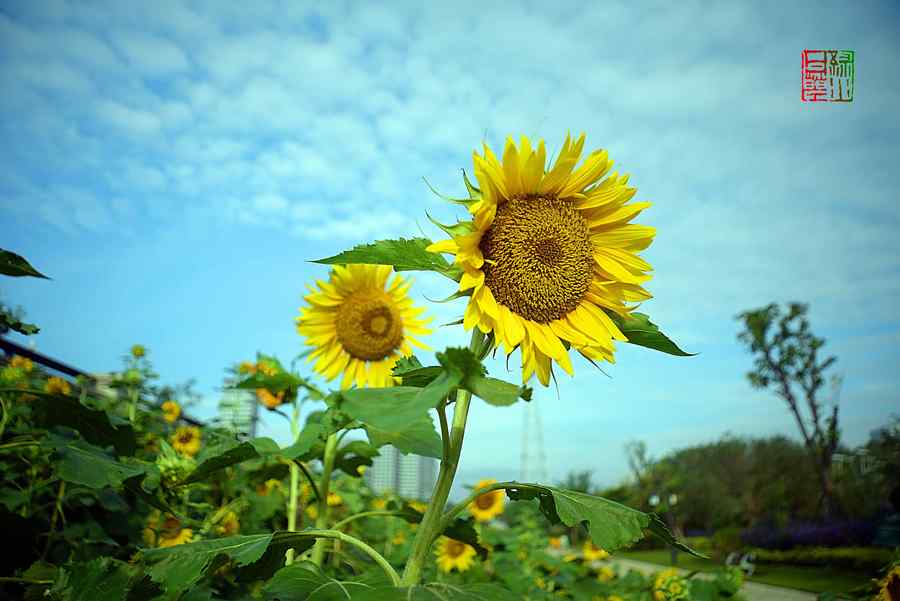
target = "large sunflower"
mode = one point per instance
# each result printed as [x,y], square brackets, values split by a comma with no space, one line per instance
[359,326]
[547,252]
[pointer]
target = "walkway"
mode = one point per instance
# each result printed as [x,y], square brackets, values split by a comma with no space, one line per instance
[753,591]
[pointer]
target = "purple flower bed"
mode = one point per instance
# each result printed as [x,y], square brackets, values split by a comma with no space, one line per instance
[854,533]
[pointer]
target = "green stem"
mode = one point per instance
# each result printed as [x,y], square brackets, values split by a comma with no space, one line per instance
[14,445]
[132,408]
[318,553]
[5,416]
[57,511]
[295,487]
[366,514]
[352,540]
[428,528]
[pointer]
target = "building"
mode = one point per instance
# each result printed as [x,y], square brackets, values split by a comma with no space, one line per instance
[410,476]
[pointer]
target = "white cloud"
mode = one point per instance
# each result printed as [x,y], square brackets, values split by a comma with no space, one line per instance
[151,54]
[132,121]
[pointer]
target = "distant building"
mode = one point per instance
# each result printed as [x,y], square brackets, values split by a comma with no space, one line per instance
[410,476]
[239,412]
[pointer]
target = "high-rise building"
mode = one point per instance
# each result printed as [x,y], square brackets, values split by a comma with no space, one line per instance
[410,476]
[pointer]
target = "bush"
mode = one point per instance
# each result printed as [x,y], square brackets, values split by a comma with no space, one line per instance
[856,533]
[726,540]
[869,559]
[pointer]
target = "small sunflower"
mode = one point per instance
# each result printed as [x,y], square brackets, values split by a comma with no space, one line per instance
[138,351]
[556,542]
[605,574]
[333,499]
[228,525]
[268,486]
[23,363]
[379,504]
[547,252]
[312,512]
[361,470]
[399,538]
[247,367]
[670,586]
[269,400]
[56,385]
[165,533]
[592,552]
[418,506]
[452,553]
[889,587]
[361,325]
[171,411]
[186,440]
[489,505]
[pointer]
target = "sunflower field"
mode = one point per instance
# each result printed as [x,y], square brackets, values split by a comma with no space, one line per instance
[119,497]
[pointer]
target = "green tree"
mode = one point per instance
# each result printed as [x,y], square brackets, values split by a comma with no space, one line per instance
[786,361]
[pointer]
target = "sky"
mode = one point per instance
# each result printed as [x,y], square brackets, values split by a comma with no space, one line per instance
[175,166]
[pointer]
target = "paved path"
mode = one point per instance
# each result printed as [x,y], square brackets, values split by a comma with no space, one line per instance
[753,591]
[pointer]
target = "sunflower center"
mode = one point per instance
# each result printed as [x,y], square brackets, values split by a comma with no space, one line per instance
[485,501]
[369,327]
[454,548]
[538,257]
[186,438]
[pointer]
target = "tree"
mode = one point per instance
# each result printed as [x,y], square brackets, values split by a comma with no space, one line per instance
[787,362]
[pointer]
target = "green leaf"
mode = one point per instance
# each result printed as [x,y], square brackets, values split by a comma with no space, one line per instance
[229,455]
[641,331]
[402,254]
[8,321]
[611,525]
[418,437]
[436,591]
[15,265]
[179,568]
[101,579]
[397,415]
[51,410]
[354,454]
[473,378]
[85,464]
[304,580]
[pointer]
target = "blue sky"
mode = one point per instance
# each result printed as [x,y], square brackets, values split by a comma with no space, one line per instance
[174,166]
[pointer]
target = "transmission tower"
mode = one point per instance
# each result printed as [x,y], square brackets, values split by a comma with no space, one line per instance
[534,462]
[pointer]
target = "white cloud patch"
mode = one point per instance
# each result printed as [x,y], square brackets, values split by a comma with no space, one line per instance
[151,54]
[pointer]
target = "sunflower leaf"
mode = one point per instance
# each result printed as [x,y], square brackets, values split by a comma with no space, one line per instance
[418,437]
[610,525]
[94,425]
[8,321]
[15,265]
[403,254]
[228,455]
[305,580]
[179,568]
[641,331]
[82,463]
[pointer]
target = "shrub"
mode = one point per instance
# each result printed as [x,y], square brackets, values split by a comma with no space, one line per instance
[855,533]
[726,540]
[869,559]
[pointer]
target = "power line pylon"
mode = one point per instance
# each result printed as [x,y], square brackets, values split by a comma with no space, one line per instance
[533,460]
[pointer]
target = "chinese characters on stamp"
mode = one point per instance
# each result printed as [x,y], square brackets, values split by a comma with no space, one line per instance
[827,76]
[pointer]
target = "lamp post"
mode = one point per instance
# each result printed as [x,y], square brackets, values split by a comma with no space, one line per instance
[667,505]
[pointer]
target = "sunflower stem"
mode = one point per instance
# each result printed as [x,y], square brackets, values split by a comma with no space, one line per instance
[429,528]
[318,553]
[295,486]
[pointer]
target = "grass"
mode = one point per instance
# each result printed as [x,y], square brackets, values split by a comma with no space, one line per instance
[814,579]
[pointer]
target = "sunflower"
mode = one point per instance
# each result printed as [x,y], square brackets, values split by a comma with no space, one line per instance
[890,586]
[360,325]
[168,533]
[418,506]
[265,488]
[556,542]
[171,410]
[452,553]
[269,400]
[23,363]
[228,525]
[333,499]
[548,252]
[605,574]
[56,385]
[488,505]
[312,511]
[186,440]
[670,586]
[137,351]
[592,552]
